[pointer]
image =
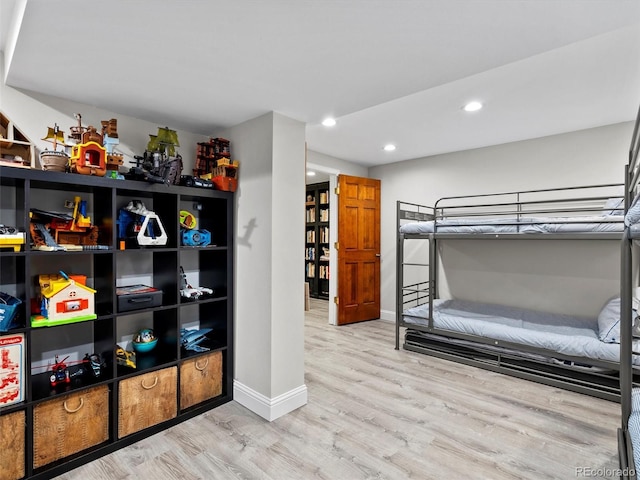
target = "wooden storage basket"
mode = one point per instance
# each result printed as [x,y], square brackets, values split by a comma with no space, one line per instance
[70,424]
[200,379]
[146,400]
[12,446]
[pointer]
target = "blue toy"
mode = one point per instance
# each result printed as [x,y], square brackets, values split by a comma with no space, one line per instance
[191,339]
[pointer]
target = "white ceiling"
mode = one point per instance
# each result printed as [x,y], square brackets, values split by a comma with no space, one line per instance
[389,70]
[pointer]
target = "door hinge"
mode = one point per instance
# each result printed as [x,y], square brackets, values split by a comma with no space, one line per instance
[337,245]
[337,190]
[336,300]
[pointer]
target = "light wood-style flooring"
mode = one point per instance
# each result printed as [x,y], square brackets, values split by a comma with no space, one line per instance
[377,413]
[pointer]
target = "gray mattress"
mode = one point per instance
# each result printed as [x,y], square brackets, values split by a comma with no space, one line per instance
[563,334]
[585,224]
[634,426]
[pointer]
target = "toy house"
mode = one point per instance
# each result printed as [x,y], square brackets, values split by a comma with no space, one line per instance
[64,299]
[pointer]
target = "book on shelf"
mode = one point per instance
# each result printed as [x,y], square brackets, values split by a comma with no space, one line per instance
[311,215]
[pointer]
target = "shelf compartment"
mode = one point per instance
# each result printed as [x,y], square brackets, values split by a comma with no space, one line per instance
[210,320]
[205,268]
[13,213]
[200,379]
[163,323]
[70,424]
[154,268]
[12,281]
[165,207]
[210,213]
[70,343]
[12,439]
[146,400]
[97,268]
[62,198]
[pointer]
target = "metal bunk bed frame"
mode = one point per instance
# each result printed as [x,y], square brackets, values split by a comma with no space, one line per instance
[627,280]
[602,385]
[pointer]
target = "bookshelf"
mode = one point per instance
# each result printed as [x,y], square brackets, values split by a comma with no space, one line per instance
[317,211]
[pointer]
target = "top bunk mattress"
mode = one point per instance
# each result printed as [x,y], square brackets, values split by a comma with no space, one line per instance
[584,224]
[563,334]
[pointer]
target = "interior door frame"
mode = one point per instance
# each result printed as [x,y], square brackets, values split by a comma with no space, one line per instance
[333,237]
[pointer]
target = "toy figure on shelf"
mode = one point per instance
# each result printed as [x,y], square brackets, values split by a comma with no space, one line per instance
[190,292]
[125,358]
[89,156]
[110,140]
[136,222]
[160,163]
[63,231]
[189,236]
[213,163]
[191,339]
[54,160]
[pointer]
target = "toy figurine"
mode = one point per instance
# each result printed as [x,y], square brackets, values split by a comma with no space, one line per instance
[160,163]
[54,160]
[190,292]
[136,222]
[191,339]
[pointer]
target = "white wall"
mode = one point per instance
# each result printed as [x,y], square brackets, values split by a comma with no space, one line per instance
[593,156]
[32,113]
[336,164]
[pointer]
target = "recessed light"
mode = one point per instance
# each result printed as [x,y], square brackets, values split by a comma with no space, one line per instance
[310,173]
[472,107]
[389,147]
[329,122]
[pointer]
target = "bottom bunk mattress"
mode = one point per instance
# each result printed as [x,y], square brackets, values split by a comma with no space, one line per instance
[564,334]
[634,427]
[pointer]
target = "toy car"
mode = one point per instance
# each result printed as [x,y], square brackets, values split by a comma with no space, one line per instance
[192,181]
[125,358]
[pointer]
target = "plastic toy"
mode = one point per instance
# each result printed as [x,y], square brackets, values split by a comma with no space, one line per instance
[189,236]
[11,238]
[195,238]
[190,292]
[193,181]
[144,341]
[59,373]
[65,299]
[54,160]
[110,140]
[125,358]
[191,339]
[136,222]
[64,231]
[160,163]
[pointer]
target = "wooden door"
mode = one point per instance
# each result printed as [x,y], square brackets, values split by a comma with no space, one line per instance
[358,249]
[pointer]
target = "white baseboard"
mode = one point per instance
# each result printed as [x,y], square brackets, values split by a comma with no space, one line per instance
[269,408]
[388,315]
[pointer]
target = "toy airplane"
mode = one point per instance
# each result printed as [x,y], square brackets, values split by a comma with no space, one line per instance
[191,339]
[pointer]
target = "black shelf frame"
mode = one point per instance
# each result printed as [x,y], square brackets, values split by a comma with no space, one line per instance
[20,191]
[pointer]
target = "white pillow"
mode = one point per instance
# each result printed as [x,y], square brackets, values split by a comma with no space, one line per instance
[609,321]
